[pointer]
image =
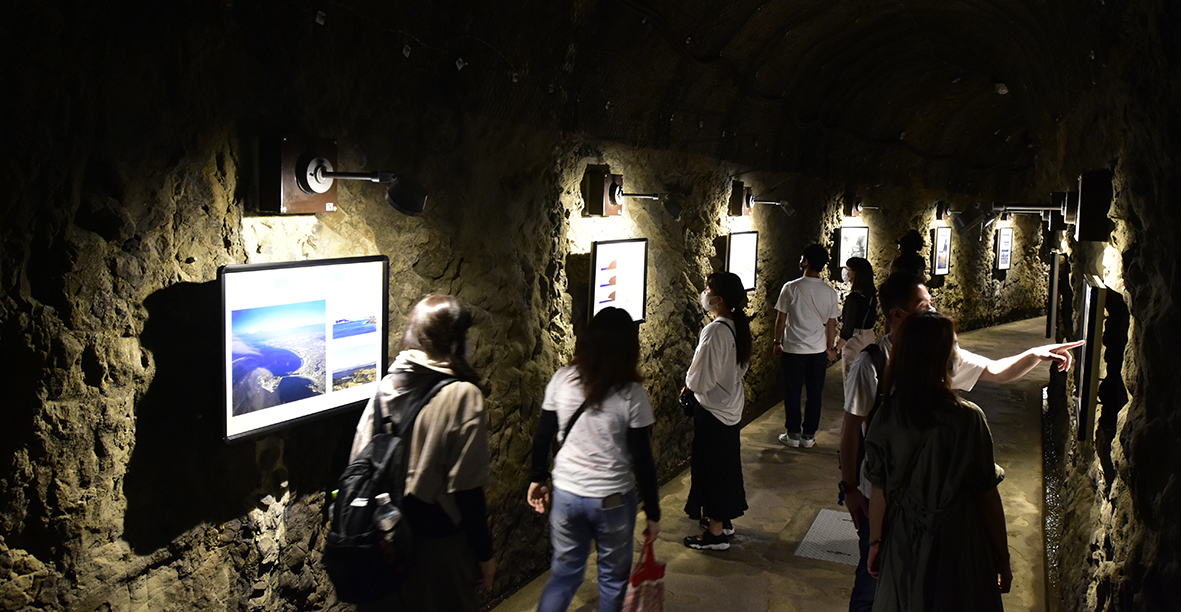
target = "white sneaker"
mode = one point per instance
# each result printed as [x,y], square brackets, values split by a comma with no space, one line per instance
[790,439]
[807,441]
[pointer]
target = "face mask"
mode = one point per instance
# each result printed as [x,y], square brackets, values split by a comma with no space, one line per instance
[845,276]
[708,302]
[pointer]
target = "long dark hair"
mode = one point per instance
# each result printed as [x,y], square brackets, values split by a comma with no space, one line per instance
[728,286]
[438,326]
[918,379]
[863,281]
[607,353]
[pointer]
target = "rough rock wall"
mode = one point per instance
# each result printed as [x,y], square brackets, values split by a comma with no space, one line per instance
[1120,543]
[136,183]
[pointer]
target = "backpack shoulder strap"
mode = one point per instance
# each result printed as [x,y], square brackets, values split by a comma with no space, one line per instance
[417,404]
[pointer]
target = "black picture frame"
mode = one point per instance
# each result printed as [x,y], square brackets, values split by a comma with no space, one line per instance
[301,340]
[742,257]
[940,251]
[1087,378]
[1004,248]
[619,276]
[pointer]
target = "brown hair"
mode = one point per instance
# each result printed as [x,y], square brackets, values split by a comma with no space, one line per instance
[438,326]
[918,378]
[607,353]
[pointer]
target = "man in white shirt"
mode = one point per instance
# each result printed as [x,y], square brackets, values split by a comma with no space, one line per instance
[902,294]
[805,329]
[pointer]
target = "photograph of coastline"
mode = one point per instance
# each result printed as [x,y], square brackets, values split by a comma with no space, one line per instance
[343,328]
[278,355]
[354,366]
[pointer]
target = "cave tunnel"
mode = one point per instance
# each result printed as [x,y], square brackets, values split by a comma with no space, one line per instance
[139,141]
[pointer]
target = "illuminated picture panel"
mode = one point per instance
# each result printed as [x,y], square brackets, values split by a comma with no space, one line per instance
[1004,248]
[854,243]
[619,276]
[742,255]
[301,339]
[1087,374]
[941,252]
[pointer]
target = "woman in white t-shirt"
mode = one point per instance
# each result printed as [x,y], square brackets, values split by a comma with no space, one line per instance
[605,418]
[717,495]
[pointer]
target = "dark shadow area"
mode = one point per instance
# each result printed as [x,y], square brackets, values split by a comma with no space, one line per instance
[578,279]
[181,473]
[28,370]
[1112,394]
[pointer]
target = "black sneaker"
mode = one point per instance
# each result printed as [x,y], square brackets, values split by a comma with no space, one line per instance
[727,526]
[708,541]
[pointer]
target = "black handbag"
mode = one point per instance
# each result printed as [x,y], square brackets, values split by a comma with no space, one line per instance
[689,403]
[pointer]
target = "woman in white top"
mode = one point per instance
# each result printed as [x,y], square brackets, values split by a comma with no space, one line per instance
[715,380]
[605,418]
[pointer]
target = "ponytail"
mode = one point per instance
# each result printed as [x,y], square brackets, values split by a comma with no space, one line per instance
[729,287]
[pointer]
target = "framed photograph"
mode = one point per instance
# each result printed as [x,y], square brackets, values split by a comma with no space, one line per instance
[854,243]
[619,276]
[1052,298]
[301,339]
[742,254]
[1094,312]
[1004,248]
[941,252]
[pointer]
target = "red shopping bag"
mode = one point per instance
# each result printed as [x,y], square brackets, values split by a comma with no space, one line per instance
[645,592]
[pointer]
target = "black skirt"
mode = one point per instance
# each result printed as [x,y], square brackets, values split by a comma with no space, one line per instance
[716,488]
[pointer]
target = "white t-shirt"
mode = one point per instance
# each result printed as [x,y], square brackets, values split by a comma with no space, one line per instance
[715,377]
[594,461]
[861,385]
[809,304]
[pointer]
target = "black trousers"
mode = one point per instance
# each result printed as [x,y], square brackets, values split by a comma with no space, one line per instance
[803,372]
[716,488]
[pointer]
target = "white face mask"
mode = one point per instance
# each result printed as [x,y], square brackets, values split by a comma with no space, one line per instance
[846,276]
[708,301]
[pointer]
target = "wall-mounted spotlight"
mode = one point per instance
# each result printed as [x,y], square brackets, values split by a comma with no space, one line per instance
[942,211]
[307,179]
[967,220]
[603,193]
[852,207]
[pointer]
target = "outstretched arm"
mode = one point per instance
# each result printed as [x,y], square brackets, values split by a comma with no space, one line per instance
[1014,367]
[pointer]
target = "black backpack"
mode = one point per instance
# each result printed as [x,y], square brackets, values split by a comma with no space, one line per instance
[361,566]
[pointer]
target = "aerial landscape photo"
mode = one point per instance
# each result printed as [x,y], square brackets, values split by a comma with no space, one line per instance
[278,355]
[354,366]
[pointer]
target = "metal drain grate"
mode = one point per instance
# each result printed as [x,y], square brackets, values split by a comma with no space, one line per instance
[831,537]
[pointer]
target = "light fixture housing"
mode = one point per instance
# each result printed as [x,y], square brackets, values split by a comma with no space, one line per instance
[307,179]
[742,199]
[602,192]
[967,220]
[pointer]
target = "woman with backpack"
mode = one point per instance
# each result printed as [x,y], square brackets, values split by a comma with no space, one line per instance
[937,525]
[713,386]
[605,418]
[447,461]
[860,312]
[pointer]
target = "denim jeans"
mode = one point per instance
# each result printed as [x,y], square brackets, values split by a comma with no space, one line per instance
[864,585]
[802,372]
[574,522]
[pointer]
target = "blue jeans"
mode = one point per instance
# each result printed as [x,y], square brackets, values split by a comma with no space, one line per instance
[864,585]
[574,522]
[802,372]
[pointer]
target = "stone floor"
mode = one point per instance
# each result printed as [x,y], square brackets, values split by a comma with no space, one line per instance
[787,487]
